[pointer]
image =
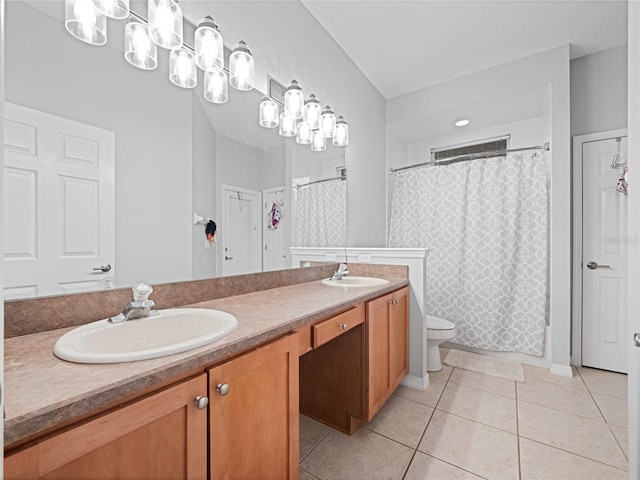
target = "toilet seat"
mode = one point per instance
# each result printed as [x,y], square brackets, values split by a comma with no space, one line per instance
[436,323]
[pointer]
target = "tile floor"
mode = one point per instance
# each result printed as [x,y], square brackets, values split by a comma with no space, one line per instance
[469,425]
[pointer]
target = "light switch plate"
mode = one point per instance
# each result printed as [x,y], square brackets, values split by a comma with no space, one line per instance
[330,257]
[364,257]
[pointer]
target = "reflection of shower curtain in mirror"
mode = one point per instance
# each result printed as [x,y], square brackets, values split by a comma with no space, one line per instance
[320,215]
[485,222]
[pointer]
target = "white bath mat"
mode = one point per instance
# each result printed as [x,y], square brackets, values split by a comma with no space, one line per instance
[485,364]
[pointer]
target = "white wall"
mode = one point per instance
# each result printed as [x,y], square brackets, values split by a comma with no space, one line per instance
[2,31]
[545,70]
[289,43]
[94,85]
[599,92]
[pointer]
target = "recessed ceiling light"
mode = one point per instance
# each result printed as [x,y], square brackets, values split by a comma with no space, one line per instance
[462,123]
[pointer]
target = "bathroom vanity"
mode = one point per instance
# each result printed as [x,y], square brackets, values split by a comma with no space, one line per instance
[226,410]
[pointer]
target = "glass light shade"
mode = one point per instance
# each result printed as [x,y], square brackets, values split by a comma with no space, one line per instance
[328,123]
[139,50]
[294,100]
[112,8]
[341,138]
[209,46]
[312,111]
[241,67]
[216,86]
[304,133]
[84,22]
[182,68]
[268,113]
[165,23]
[287,125]
[318,143]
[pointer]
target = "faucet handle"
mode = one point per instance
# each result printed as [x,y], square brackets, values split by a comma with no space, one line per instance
[141,292]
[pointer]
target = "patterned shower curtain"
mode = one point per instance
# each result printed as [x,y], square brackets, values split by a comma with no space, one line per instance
[485,222]
[321,214]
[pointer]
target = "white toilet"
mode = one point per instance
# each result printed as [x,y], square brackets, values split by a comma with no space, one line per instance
[438,331]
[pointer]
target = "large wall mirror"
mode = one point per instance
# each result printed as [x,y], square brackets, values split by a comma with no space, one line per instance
[111,172]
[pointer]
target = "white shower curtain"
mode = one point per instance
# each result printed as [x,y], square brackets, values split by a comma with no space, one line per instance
[485,222]
[321,214]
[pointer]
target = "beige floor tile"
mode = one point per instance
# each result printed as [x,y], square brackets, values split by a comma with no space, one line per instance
[401,420]
[488,383]
[474,447]
[443,353]
[442,374]
[364,454]
[538,461]
[622,435]
[575,434]
[304,475]
[425,467]
[311,433]
[614,409]
[559,397]
[544,375]
[601,381]
[494,410]
[428,397]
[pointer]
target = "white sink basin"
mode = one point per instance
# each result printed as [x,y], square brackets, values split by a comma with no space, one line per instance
[172,331]
[356,282]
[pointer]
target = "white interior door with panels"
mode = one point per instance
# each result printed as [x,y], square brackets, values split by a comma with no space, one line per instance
[275,255]
[241,231]
[59,205]
[602,252]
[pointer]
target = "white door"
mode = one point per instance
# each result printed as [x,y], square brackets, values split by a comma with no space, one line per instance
[59,205]
[275,254]
[604,257]
[241,231]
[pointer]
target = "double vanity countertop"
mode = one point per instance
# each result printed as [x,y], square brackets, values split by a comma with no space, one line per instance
[42,391]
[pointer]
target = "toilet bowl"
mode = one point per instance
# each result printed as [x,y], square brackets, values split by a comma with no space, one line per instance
[438,331]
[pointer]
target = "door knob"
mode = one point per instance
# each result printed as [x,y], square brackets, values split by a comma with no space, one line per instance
[102,268]
[222,389]
[636,339]
[201,402]
[594,265]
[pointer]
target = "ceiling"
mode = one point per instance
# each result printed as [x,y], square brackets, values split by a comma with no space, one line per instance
[402,46]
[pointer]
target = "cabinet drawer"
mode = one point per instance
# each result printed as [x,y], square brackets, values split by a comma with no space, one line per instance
[329,329]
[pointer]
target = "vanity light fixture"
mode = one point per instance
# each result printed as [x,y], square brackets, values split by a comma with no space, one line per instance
[462,123]
[209,45]
[182,68]
[268,117]
[287,125]
[216,86]
[294,100]
[84,22]
[312,111]
[165,23]
[328,123]
[241,67]
[118,9]
[303,136]
[341,138]
[318,142]
[139,50]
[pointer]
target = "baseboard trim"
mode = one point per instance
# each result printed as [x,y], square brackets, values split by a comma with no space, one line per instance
[564,370]
[416,382]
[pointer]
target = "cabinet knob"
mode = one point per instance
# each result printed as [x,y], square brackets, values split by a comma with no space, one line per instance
[343,326]
[394,301]
[201,402]
[222,388]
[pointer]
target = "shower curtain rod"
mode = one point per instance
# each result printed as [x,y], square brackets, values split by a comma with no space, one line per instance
[321,181]
[471,156]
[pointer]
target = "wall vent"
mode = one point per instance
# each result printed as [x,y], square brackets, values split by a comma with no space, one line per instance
[490,145]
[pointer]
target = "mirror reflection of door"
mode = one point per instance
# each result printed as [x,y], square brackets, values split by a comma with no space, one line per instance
[275,214]
[59,205]
[241,231]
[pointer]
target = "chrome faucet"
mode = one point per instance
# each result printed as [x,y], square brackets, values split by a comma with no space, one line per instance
[341,272]
[140,307]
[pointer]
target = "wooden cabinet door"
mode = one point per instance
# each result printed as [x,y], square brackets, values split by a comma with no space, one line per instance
[163,436]
[253,414]
[387,352]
